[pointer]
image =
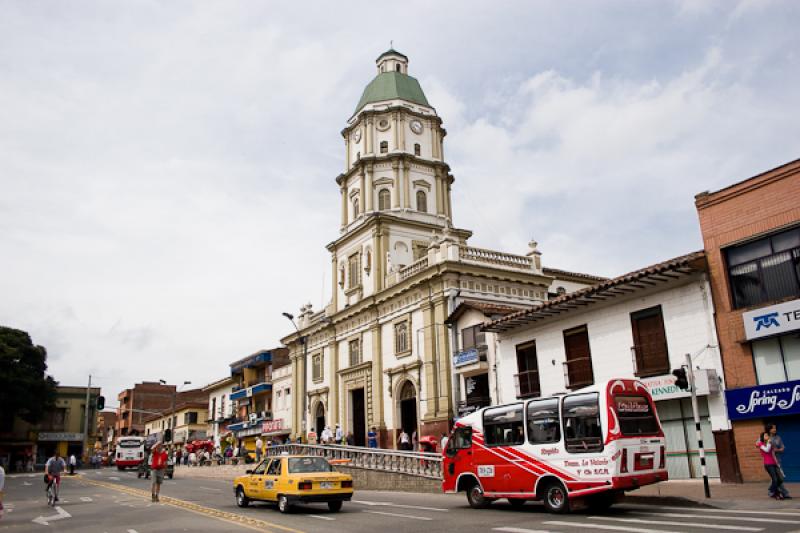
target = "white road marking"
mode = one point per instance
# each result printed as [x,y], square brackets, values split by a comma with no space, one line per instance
[27,483]
[45,520]
[399,515]
[132,531]
[402,506]
[725,511]
[580,525]
[675,523]
[85,499]
[113,478]
[321,517]
[717,517]
[519,530]
[209,488]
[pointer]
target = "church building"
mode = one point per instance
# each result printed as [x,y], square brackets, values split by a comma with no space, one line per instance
[381,353]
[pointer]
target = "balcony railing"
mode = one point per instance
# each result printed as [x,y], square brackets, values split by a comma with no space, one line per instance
[578,372]
[528,385]
[421,464]
[415,267]
[493,257]
[650,359]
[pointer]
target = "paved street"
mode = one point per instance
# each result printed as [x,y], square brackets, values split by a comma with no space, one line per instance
[110,501]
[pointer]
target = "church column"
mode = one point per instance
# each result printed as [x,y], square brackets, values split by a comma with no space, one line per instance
[448,199]
[347,152]
[406,186]
[428,335]
[370,136]
[362,206]
[402,132]
[333,395]
[434,141]
[368,190]
[439,193]
[344,207]
[395,136]
[396,185]
[378,419]
[442,359]
[334,282]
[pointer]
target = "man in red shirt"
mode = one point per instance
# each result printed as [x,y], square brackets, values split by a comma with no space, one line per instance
[158,463]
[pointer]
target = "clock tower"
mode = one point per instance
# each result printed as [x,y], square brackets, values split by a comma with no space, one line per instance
[395,189]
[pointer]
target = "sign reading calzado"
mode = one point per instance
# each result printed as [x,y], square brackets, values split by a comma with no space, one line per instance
[772,320]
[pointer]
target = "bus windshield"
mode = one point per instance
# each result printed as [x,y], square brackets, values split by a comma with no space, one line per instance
[130,443]
[635,415]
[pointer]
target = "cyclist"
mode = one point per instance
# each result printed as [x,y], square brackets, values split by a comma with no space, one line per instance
[53,468]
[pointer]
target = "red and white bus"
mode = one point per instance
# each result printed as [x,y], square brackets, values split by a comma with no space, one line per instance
[130,452]
[590,445]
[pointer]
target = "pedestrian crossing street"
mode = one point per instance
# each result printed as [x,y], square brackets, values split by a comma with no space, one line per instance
[641,519]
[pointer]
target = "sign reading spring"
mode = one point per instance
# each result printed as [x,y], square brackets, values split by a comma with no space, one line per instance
[762,401]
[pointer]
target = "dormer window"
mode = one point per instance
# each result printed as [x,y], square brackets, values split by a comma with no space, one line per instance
[384,199]
[417,149]
[384,147]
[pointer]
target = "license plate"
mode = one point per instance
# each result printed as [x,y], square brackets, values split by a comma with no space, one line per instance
[326,485]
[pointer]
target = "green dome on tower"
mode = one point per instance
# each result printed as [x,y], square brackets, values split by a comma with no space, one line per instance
[392,83]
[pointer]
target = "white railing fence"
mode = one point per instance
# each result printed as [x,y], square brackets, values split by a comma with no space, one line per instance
[413,463]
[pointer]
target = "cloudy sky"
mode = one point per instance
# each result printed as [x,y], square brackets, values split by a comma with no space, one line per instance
[167,168]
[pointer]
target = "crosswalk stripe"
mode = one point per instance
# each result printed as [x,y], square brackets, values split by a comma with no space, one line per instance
[719,517]
[321,517]
[582,525]
[697,510]
[399,515]
[676,523]
[519,530]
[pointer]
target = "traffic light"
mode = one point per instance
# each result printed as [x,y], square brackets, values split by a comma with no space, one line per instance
[167,435]
[681,381]
[101,403]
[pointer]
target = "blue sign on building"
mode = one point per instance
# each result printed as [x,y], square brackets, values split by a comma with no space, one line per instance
[764,401]
[466,357]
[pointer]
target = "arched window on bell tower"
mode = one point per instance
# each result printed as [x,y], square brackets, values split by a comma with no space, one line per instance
[417,149]
[384,147]
[422,202]
[384,199]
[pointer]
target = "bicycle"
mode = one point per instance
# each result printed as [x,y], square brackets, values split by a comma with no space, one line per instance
[52,492]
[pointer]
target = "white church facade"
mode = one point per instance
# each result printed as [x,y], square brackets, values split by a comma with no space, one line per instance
[381,353]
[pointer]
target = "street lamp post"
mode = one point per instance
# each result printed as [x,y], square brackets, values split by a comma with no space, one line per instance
[172,411]
[304,341]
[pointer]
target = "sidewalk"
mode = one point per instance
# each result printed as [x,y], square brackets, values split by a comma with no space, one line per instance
[723,495]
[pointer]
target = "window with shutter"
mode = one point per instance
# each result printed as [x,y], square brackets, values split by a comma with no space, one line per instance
[649,342]
[579,358]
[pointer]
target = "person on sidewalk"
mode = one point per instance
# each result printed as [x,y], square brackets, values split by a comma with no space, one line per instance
[778,448]
[327,435]
[338,435]
[372,437]
[72,463]
[405,442]
[158,463]
[259,448]
[770,465]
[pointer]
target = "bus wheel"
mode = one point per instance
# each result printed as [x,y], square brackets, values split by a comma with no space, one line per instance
[516,503]
[475,497]
[555,498]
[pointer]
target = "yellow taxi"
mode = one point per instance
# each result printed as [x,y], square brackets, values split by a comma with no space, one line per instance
[291,479]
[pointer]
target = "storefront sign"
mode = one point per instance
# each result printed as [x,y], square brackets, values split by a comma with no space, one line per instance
[778,399]
[663,387]
[272,425]
[466,357]
[60,436]
[249,432]
[772,320]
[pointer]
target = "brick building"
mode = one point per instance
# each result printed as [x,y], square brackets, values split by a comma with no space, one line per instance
[751,236]
[133,404]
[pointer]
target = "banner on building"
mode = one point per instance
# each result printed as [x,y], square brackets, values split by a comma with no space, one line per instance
[772,320]
[764,401]
[664,388]
[60,436]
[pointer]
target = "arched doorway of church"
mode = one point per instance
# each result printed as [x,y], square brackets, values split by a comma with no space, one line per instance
[319,419]
[408,408]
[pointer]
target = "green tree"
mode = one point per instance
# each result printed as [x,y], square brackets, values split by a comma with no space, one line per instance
[26,390]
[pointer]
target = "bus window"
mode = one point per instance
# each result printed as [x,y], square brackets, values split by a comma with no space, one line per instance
[502,426]
[581,419]
[635,415]
[543,424]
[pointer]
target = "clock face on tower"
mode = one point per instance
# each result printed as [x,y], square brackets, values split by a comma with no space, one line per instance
[416,126]
[357,135]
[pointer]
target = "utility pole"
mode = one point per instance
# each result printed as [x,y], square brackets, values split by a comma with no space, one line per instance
[696,414]
[86,423]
